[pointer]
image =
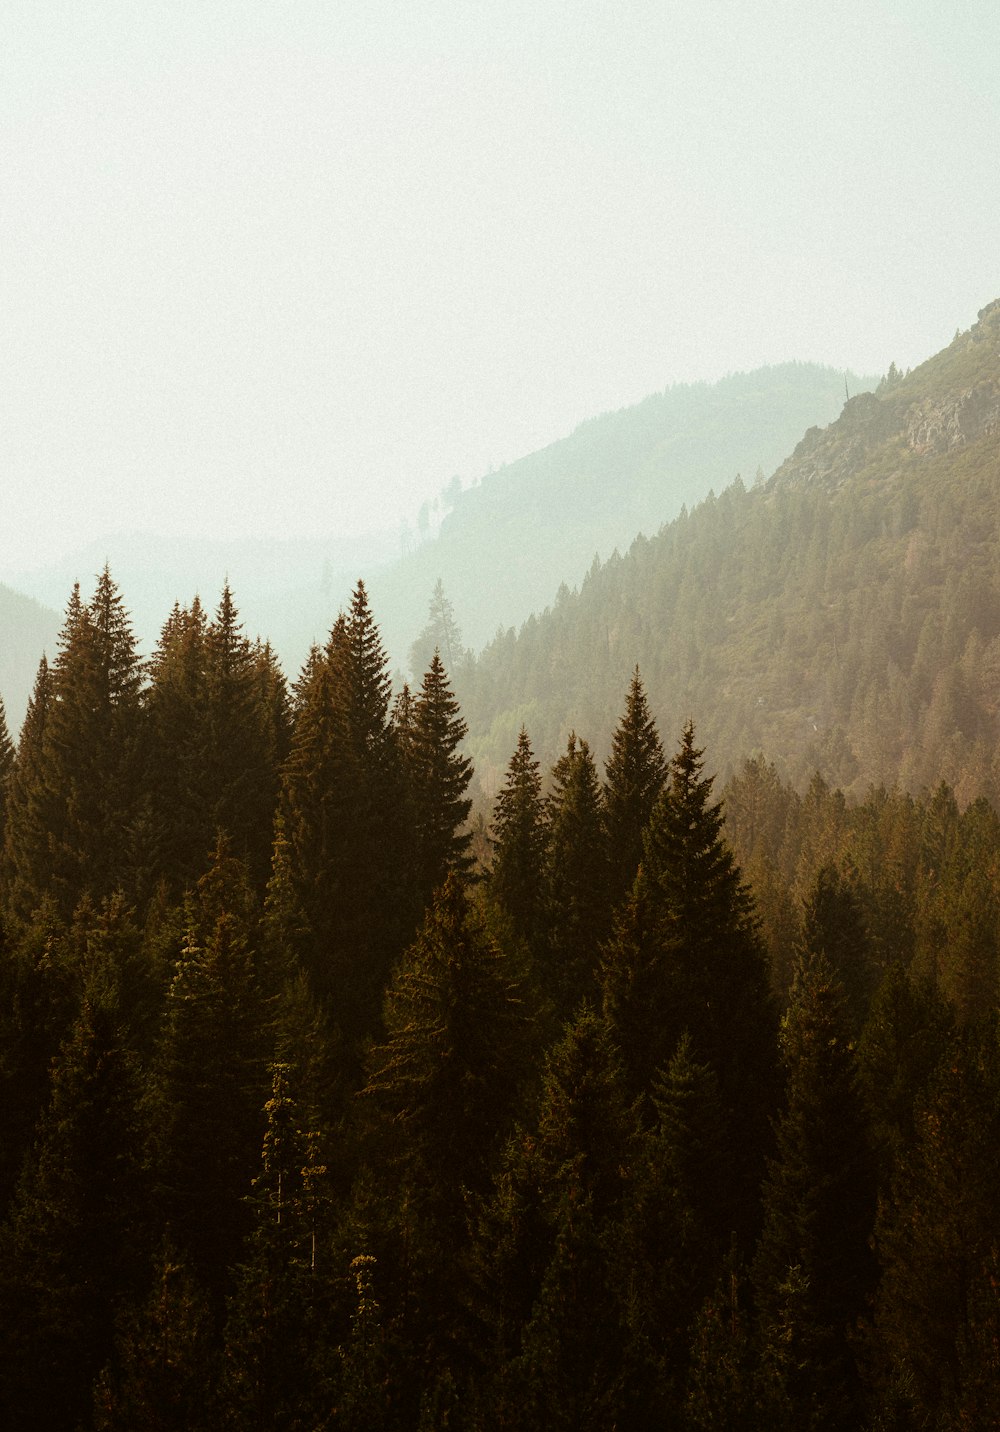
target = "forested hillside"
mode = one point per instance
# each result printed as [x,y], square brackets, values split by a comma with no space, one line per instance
[842,617]
[319,1109]
[506,544]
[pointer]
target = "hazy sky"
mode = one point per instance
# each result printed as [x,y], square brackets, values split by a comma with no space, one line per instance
[286,267]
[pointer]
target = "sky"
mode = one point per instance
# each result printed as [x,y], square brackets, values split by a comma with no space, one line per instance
[278,269]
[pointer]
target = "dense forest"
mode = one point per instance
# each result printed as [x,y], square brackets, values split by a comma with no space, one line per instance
[642,1104]
[843,616]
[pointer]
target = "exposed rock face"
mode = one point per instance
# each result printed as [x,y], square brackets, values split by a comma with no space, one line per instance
[926,418]
[940,427]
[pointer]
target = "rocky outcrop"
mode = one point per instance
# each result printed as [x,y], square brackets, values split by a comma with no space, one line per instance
[951,401]
[934,427]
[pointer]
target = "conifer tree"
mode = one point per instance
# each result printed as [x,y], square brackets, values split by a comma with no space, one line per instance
[439,777]
[832,926]
[440,634]
[936,1234]
[74,1242]
[25,855]
[713,962]
[210,1076]
[6,769]
[90,751]
[163,1374]
[439,1098]
[634,777]
[176,711]
[445,1078]
[516,881]
[344,808]
[273,1333]
[577,878]
[813,1264]
[556,1271]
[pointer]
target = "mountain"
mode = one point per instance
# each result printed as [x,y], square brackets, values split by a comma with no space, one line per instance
[26,630]
[843,616]
[284,588]
[507,543]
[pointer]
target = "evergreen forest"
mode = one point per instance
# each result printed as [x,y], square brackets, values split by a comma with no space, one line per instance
[642,1099]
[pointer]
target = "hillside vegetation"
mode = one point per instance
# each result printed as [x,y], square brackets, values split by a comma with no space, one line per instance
[506,544]
[842,617]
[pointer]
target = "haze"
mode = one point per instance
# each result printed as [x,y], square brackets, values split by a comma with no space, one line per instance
[281,269]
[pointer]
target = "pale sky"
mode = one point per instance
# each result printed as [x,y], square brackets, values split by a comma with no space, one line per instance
[286,267]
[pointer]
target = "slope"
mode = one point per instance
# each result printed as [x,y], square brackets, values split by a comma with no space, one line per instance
[844,616]
[506,544]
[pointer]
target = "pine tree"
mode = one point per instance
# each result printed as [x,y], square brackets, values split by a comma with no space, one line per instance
[516,881]
[439,777]
[634,777]
[819,1208]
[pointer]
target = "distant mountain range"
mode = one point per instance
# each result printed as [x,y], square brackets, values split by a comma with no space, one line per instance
[844,616]
[502,549]
[508,543]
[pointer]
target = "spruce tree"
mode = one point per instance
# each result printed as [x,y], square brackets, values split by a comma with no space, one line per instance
[936,1233]
[90,751]
[819,1208]
[6,769]
[177,757]
[345,814]
[25,856]
[274,1339]
[832,926]
[634,777]
[577,879]
[556,1270]
[439,777]
[74,1243]
[163,1374]
[210,1076]
[713,962]
[516,880]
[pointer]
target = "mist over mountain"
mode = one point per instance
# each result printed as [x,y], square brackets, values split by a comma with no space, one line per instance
[501,548]
[507,544]
[843,617]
